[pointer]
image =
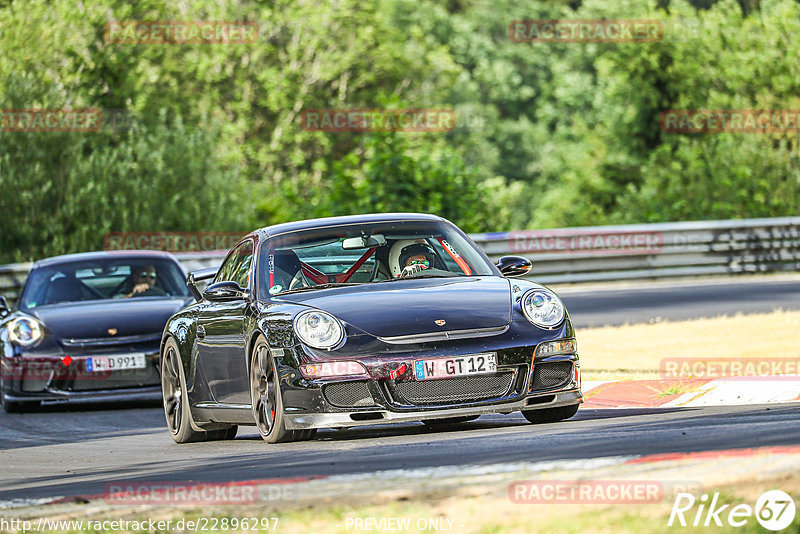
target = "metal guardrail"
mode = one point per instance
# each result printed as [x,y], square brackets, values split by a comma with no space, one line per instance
[12,277]
[605,253]
[652,251]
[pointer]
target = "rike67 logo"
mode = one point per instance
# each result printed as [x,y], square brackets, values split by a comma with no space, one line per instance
[774,510]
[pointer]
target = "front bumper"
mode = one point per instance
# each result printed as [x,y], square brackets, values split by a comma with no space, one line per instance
[46,377]
[389,391]
[141,394]
[375,417]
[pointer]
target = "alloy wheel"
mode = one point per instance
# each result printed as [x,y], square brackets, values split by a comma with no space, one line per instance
[171,386]
[263,386]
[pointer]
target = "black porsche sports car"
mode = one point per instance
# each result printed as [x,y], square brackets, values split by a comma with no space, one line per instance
[364,320]
[88,327]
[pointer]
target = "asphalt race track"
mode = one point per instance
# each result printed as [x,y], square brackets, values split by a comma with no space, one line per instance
[68,454]
[78,450]
[672,303]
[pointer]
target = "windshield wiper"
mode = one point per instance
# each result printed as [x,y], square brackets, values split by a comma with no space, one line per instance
[418,277]
[312,288]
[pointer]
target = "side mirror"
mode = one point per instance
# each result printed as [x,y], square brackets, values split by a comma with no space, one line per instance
[514,265]
[222,291]
[199,276]
[4,309]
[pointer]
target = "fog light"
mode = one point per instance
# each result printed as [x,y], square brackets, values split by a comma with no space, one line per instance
[328,369]
[552,348]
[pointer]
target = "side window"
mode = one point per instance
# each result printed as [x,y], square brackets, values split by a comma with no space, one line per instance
[241,269]
[224,269]
[237,266]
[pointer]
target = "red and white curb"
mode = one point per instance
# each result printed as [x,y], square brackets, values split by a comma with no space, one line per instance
[671,393]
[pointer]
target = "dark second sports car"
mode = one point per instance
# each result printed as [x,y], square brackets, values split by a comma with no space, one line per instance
[364,320]
[88,328]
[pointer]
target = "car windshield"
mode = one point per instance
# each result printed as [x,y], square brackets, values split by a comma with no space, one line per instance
[103,279]
[366,253]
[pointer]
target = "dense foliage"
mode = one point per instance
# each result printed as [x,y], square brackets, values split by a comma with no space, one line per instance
[553,134]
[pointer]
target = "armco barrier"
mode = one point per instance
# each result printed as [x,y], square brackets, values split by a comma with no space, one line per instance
[642,251]
[606,253]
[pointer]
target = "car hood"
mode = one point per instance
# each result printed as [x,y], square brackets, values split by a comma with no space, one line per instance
[411,307]
[94,319]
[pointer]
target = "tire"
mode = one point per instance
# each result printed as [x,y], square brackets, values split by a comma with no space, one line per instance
[176,400]
[448,421]
[550,415]
[266,399]
[16,406]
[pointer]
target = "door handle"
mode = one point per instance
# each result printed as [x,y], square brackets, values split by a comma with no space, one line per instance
[201,332]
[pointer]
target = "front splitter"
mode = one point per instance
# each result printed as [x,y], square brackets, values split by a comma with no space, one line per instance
[345,419]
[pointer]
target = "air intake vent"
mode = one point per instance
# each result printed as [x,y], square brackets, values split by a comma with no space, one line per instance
[348,394]
[455,390]
[551,375]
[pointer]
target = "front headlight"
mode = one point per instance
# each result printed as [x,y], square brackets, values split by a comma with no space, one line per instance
[543,308]
[318,329]
[24,331]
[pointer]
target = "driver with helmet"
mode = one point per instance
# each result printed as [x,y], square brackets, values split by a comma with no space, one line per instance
[411,257]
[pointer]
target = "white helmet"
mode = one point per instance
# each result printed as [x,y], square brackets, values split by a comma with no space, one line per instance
[394,254]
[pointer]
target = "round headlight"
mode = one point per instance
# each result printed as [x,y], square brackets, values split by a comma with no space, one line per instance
[24,331]
[318,329]
[543,308]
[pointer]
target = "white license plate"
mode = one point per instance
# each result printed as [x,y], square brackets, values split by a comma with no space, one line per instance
[474,364]
[97,364]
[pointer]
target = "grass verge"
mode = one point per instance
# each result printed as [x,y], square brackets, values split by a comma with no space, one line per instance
[634,352]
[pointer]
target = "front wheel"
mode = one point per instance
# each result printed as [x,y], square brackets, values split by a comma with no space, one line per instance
[550,415]
[15,406]
[266,399]
[176,401]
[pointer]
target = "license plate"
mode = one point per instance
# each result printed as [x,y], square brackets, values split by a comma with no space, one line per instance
[474,364]
[97,364]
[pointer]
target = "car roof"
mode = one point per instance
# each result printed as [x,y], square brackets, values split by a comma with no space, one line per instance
[104,255]
[309,224]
